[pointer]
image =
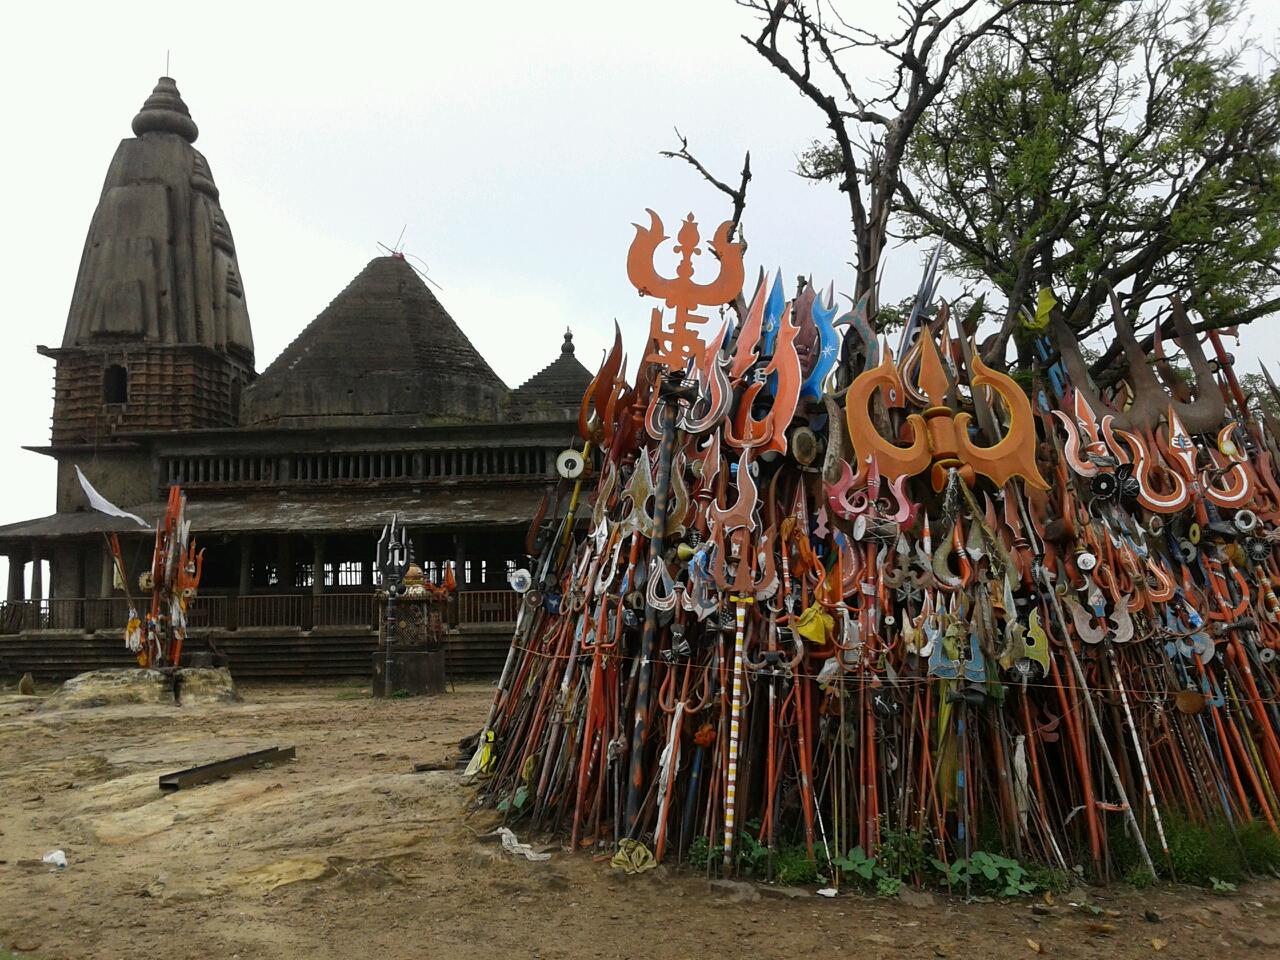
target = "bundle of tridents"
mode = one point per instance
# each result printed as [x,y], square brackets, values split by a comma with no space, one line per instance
[172,581]
[741,634]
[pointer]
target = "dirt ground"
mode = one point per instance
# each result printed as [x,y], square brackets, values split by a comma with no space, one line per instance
[346,853]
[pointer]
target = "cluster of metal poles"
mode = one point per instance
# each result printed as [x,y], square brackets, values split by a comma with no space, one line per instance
[803,618]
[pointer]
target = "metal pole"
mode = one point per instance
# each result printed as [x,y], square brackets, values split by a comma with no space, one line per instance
[392,587]
[518,637]
[1096,723]
[649,638]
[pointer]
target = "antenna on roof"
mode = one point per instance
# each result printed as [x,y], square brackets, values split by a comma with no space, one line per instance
[422,272]
[398,249]
[398,252]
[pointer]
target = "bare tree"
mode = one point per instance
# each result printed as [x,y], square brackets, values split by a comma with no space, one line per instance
[1106,146]
[812,45]
[737,195]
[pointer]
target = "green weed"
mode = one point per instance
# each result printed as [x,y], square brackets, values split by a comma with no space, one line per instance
[1199,853]
[1260,848]
[1139,877]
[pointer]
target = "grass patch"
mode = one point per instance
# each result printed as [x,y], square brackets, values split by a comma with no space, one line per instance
[1260,847]
[791,864]
[1214,856]
[1199,854]
[1139,877]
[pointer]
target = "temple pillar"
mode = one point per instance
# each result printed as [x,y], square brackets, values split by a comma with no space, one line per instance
[460,559]
[37,574]
[286,568]
[106,585]
[66,570]
[17,588]
[317,565]
[246,554]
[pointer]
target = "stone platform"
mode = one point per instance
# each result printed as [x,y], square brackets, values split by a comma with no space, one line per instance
[108,688]
[416,672]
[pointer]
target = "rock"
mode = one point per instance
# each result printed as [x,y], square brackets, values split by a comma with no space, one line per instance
[359,877]
[200,685]
[916,898]
[734,890]
[27,685]
[485,856]
[784,893]
[105,688]
[271,876]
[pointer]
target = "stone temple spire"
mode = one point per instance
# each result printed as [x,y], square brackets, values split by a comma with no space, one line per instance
[165,112]
[157,335]
[159,264]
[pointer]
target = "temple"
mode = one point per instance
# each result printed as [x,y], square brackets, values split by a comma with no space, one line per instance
[381,406]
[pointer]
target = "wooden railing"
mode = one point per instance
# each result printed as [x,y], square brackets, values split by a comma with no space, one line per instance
[300,611]
[346,609]
[488,606]
[270,610]
[210,612]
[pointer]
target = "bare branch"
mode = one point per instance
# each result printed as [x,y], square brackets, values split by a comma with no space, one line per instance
[737,195]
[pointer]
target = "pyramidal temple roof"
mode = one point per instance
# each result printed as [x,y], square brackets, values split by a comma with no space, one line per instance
[385,352]
[554,392]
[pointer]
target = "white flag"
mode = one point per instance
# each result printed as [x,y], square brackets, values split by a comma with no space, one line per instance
[103,505]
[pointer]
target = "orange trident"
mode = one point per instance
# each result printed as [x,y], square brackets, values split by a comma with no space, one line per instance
[941,436]
[673,348]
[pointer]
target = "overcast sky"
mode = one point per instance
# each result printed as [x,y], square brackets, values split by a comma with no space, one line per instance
[514,142]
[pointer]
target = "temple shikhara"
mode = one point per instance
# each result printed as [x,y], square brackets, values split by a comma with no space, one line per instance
[381,406]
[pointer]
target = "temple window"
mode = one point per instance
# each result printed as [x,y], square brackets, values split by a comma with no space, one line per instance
[115,384]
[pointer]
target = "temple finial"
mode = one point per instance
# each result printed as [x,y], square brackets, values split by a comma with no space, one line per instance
[165,112]
[567,346]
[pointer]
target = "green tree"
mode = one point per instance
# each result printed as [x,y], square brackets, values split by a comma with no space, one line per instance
[1258,394]
[1104,145]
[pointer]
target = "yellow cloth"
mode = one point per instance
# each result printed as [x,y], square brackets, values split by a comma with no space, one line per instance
[633,857]
[815,625]
[1044,303]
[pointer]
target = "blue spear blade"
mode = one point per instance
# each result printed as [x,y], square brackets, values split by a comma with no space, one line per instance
[828,350]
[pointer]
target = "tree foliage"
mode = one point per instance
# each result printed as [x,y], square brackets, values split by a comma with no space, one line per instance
[1109,144]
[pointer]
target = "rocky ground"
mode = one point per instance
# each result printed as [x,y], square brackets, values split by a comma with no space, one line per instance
[346,853]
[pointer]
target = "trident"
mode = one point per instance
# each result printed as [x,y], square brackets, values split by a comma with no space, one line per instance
[739,522]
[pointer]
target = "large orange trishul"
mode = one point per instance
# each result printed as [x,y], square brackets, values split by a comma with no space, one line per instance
[940,437]
[673,347]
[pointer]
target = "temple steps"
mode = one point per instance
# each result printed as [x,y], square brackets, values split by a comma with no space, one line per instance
[269,654]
